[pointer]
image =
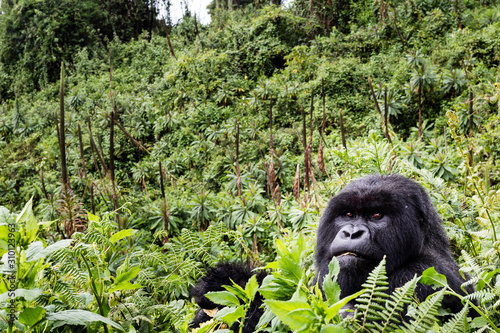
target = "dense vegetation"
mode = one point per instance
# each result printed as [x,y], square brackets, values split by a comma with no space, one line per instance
[135,153]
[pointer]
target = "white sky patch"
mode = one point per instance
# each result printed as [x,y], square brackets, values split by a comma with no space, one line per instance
[198,7]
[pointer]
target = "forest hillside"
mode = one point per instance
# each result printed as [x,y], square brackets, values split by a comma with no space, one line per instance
[136,153]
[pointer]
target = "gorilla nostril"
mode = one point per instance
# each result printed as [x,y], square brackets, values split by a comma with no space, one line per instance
[357,234]
[346,234]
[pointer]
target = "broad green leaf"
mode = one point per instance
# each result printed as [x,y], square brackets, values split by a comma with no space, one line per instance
[206,327]
[299,247]
[27,216]
[330,285]
[272,265]
[124,286]
[299,318]
[251,287]
[127,275]
[93,218]
[223,298]
[30,316]
[46,224]
[332,329]
[49,249]
[283,308]
[237,291]
[335,308]
[479,322]
[33,249]
[5,215]
[122,234]
[28,294]
[4,232]
[291,269]
[433,278]
[265,318]
[230,314]
[79,317]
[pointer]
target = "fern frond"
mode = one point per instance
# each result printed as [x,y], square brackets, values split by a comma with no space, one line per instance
[369,303]
[94,236]
[394,306]
[425,314]
[457,323]
[66,291]
[470,264]
[72,272]
[483,296]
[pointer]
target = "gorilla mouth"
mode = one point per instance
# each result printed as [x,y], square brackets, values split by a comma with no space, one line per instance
[347,254]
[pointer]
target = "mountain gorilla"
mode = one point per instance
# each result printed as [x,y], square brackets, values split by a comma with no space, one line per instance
[385,215]
[371,217]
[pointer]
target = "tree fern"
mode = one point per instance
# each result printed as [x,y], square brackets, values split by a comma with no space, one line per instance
[369,303]
[425,314]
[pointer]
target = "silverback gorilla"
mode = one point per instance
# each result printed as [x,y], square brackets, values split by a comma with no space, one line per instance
[371,217]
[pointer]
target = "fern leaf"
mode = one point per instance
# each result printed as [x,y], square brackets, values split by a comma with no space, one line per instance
[457,323]
[394,306]
[425,314]
[482,296]
[369,303]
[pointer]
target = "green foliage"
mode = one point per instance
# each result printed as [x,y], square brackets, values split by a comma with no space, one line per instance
[37,35]
[184,112]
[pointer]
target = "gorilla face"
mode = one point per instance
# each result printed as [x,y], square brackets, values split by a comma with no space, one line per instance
[373,217]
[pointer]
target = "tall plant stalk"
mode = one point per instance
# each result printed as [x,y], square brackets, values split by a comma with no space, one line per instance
[112,146]
[62,136]
[82,155]
[164,204]
[238,176]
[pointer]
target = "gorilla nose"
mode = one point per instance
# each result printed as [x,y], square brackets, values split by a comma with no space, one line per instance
[353,232]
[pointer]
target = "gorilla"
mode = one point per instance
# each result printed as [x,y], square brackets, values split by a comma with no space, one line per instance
[385,215]
[214,280]
[370,218]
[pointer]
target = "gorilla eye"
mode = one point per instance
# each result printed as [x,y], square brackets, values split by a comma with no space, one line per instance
[349,214]
[377,216]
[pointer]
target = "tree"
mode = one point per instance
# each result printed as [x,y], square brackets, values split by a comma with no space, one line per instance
[37,35]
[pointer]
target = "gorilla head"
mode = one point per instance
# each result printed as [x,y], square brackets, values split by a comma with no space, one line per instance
[384,215]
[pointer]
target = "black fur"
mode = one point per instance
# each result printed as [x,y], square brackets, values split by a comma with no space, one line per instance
[214,280]
[408,232]
[371,217]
